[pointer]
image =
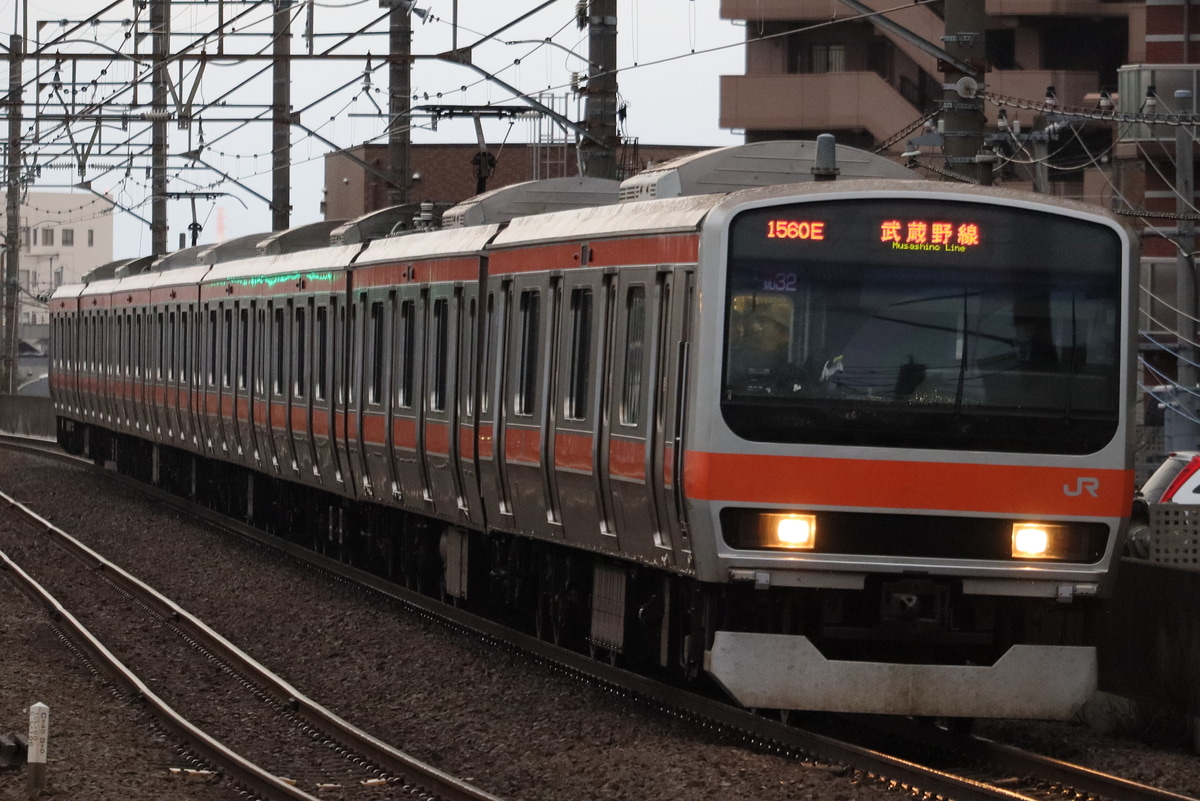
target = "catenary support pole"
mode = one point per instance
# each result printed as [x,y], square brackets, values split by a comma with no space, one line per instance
[12,235]
[599,159]
[1186,431]
[399,101]
[963,120]
[281,119]
[160,26]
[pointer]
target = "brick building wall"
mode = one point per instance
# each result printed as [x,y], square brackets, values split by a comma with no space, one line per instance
[444,173]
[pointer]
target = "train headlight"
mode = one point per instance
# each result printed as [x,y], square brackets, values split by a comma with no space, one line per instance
[792,531]
[1039,541]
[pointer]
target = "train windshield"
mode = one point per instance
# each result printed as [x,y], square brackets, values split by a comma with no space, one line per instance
[923,324]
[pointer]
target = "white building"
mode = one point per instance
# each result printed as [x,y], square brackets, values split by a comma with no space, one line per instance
[63,236]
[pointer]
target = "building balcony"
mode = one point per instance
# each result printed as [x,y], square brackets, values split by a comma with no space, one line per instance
[791,10]
[829,101]
[863,100]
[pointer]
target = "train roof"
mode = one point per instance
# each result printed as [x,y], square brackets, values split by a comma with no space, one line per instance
[671,215]
[532,197]
[440,243]
[730,169]
[282,264]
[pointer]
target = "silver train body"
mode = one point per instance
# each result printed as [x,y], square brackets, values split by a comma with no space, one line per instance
[854,446]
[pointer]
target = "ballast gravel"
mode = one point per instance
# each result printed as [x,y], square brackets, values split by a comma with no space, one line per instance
[515,729]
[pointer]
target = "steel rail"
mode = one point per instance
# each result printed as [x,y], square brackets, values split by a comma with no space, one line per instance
[237,768]
[918,779]
[382,755]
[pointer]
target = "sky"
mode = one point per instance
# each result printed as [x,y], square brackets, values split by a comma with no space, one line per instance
[671,54]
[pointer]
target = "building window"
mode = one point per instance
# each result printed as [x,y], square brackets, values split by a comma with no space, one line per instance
[68,237]
[828,58]
[91,237]
[26,237]
[48,236]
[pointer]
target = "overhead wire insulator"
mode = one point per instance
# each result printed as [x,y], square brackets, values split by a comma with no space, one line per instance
[581,14]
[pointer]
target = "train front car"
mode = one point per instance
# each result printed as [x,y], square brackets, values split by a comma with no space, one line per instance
[909,455]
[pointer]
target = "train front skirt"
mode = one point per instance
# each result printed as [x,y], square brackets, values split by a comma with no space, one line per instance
[775,671]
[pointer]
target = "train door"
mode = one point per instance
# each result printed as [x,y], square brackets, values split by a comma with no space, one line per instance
[376,313]
[278,369]
[137,371]
[91,385]
[525,405]
[157,394]
[227,409]
[170,376]
[242,421]
[193,346]
[142,374]
[214,392]
[302,389]
[469,379]
[119,385]
[207,418]
[630,488]
[345,424]
[489,439]
[355,406]
[578,410]
[408,389]
[442,353]
[264,452]
[324,426]
[671,388]
[184,377]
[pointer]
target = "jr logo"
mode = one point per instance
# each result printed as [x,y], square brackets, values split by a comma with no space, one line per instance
[1084,484]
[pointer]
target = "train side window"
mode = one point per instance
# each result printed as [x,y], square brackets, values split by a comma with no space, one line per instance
[485,397]
[530,310]
[320,351]
[212,347]
[441,355]
[139,345]
[277,344]
[579,367]
[243,347]
[635,341]
[470,365]
[408,330]
[185,354]
[260,344]
[227,354]
[162,351]
[376,389]
[301,352]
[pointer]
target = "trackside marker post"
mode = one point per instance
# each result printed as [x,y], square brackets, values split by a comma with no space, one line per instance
[39,736]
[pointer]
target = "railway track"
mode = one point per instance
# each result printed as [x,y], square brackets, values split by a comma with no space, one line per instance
[235,716]
[920,760]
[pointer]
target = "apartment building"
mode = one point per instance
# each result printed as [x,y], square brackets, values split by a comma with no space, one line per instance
[63,236]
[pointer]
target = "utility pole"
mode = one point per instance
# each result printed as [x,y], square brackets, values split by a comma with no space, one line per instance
[160,26]
[1185,435]
[600,107]
[281,119]
[399,93]
[12,241]
[966,22]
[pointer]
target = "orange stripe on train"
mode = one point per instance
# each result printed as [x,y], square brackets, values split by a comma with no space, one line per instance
[935,486]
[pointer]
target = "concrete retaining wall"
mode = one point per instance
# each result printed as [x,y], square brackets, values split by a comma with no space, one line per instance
[27,416]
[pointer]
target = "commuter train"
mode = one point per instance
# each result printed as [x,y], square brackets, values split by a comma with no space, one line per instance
[849,445]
